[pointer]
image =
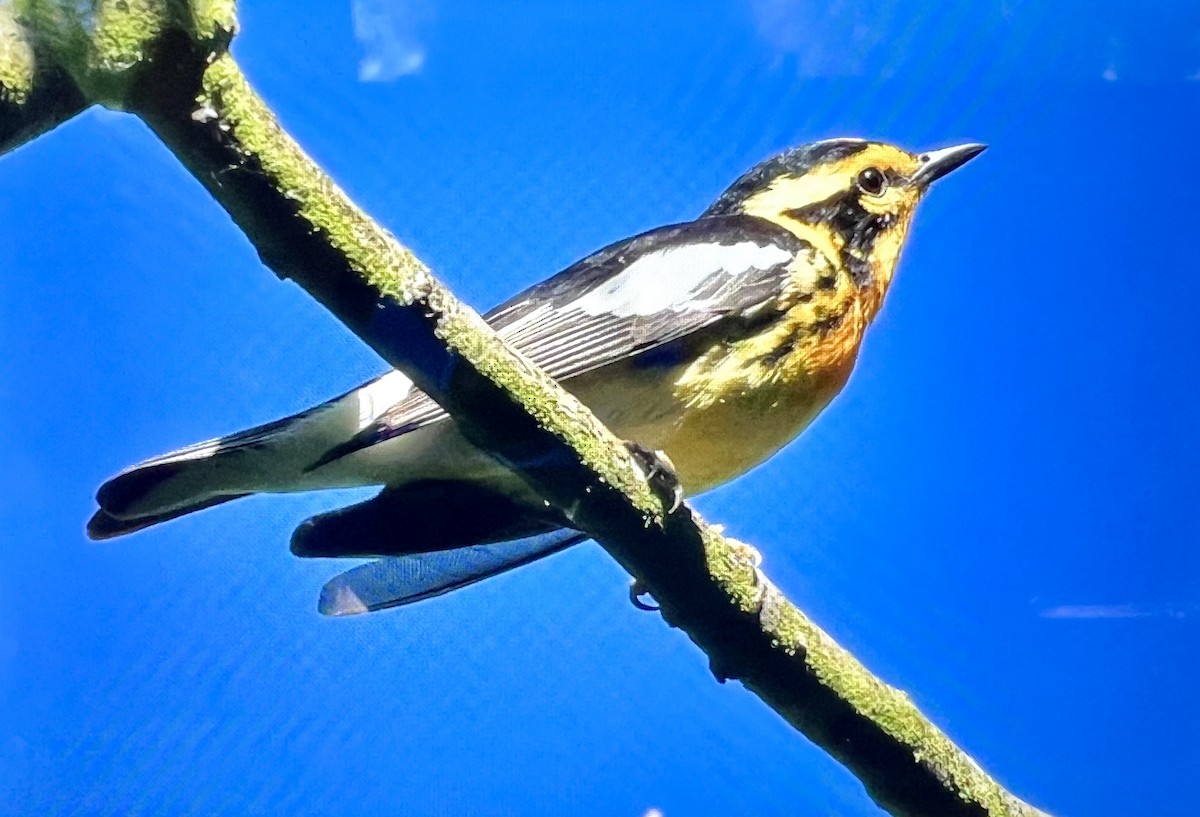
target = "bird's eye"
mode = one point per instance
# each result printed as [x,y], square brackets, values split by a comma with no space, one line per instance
[872,181]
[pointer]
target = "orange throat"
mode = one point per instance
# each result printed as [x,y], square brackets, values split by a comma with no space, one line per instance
[745,401]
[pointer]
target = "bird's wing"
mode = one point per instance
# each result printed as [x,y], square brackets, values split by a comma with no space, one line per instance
[647,291]
[401,580]
[628,299]
[421,517]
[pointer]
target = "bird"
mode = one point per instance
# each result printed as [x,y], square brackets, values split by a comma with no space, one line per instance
[707,344]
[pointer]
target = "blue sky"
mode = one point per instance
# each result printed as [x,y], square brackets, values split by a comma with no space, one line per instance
[998,514]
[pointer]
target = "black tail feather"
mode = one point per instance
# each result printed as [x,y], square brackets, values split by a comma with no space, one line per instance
[103,525]
[120,493]
[422,517]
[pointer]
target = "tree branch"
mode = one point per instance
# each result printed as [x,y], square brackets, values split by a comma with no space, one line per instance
[36,92]
[189,90]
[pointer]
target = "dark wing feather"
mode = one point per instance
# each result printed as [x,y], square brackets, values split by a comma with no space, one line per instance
[398,521]
[627,299]
[403,580]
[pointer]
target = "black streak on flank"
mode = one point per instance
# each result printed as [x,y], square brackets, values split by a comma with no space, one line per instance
[773,357]
[821,326]
[824,326]
[857,227]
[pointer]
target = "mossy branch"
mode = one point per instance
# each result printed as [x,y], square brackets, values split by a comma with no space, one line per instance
[36,92]
[167,62]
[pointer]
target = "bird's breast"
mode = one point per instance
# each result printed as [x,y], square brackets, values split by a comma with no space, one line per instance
[745,404]
[724,412]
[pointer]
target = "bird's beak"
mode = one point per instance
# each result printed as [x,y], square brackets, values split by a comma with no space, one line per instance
[937,163]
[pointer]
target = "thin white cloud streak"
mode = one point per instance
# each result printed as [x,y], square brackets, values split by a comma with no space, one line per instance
[1111,611]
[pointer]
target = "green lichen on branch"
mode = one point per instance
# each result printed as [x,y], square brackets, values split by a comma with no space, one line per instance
[58,32]
[794,635]
[105,44]
[213,20]
[17,61]
[730,570]
[890,709]
[36,91]
[123,31]
[370,252]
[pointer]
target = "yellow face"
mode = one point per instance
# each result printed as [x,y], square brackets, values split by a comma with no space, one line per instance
[833,179]
[855,208]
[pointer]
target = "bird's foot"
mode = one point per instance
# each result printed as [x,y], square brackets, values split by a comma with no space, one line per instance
[659,471]
[636,591]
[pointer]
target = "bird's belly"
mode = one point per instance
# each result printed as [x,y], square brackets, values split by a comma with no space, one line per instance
[713,444]
[709,441]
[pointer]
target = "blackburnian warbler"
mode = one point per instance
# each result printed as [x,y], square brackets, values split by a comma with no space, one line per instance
[715,341]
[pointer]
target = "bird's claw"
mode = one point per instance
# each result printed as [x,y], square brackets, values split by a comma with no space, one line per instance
[659,471]
[636,591]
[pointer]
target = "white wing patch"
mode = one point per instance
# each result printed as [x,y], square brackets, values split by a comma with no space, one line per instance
[659,281]
[376,398]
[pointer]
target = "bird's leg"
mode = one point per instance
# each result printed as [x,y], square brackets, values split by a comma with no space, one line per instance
[636,591]
[659,471]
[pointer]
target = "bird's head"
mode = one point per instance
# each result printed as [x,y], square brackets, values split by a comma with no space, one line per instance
[852,199]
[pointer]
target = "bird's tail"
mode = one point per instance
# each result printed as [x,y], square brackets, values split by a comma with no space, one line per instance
[104,525]
[276,456]
[191,479]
